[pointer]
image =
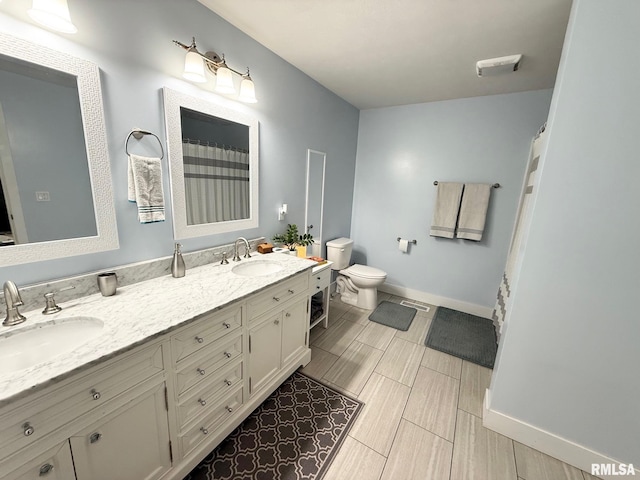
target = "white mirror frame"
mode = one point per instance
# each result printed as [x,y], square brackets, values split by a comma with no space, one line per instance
[317,239]
[173,100]
[90,96]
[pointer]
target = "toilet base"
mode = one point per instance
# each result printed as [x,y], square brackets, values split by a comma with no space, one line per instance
[365,298]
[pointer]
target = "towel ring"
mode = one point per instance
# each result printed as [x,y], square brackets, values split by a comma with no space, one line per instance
[138,134]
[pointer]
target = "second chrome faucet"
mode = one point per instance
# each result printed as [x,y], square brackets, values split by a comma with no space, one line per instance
[236,257]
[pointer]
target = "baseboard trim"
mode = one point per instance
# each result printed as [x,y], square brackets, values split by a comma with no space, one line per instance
[466,307]
[569,452]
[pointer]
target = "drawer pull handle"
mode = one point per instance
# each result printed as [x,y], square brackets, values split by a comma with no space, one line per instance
[95,437]
[228,382]
[291,291]
[226,325]
[204,430]
[95,394]
[227,354]
[199,339]
[202,402]
[28,429]
[319,278]
[287,314]
[201,371]
[45,469]
[318,287]
[276,299]
[276,322]
[229,409]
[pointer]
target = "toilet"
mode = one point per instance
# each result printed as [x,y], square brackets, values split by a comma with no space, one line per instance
[356,284]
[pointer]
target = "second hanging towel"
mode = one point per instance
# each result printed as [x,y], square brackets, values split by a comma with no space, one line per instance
[473,211]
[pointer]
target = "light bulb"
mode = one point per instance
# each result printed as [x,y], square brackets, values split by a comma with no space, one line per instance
[224,80]
[247,91]
[194,67]
[53,14]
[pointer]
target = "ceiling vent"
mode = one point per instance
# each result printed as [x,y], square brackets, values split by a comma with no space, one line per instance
[497,66]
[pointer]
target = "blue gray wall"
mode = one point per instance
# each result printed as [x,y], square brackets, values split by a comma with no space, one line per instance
[402,150]
[131,43]
[568,361]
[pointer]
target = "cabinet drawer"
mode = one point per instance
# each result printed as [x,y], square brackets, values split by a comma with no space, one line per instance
[205,364]
[208,329]
[275,296]
[320,280]
[203,399]
[47,411]
[200,431]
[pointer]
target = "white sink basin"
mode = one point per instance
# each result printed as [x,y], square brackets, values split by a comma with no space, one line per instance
[257,268]
[45,341]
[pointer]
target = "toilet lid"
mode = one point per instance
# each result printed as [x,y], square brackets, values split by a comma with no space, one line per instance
[363,271]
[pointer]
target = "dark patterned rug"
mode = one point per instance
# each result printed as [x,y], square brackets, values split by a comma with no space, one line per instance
[293,435]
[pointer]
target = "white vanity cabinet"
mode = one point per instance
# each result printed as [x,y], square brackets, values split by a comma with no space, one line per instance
[54,464]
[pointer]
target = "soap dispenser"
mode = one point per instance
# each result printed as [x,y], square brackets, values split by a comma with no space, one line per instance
[177,264]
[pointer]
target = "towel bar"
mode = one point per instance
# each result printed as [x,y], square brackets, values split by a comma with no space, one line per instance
[138,134]
[495,185]
[415,242]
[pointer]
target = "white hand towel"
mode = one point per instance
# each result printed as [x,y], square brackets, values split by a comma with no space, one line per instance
[145,188]
[445,213]
[473,211]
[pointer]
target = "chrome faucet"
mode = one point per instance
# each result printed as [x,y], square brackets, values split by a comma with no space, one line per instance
[13,300]
[236,257]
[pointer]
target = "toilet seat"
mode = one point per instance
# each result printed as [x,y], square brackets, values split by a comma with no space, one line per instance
[363,271]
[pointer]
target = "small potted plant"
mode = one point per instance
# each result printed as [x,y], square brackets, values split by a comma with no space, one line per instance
[292,240]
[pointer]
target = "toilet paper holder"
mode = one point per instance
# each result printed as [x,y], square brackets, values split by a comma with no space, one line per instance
[415,242]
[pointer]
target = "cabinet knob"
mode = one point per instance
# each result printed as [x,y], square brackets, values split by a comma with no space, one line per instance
[276,322]
[226,325]
[318,278]
[28,429]
[227,354]
[229,409]
[95,394]
[201,371]
[228,382]
[318,287]
[45,469]
[287,314]
[276,299]
[202,402]
[291,291]
[95,437]
[199,339]
[204,430]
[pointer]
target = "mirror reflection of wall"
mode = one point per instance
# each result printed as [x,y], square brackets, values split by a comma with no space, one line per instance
[46,186]
[216,168]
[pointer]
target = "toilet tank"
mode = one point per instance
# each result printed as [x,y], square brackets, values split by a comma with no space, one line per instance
[339,252]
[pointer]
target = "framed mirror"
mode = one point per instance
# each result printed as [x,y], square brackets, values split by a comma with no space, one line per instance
[213,156]
[316,163]
[56,196]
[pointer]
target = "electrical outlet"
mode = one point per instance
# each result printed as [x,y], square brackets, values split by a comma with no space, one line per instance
[42,197]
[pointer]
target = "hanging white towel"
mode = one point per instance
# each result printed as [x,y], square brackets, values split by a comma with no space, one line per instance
[445,213]
[473,211]
[145,188]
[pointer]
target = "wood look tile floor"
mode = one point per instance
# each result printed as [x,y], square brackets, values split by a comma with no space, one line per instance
[422,418]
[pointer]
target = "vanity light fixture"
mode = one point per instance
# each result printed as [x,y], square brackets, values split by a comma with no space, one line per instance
[194,70]
[53,14]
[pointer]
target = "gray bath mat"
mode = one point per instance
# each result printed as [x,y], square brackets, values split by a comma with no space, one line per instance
[393,315]
[464,336]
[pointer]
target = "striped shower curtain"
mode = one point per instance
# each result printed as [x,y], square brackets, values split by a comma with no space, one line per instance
[216,182]
[519,236]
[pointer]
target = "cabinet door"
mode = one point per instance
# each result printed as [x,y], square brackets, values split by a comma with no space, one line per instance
[294,330]
[132,442]
[55,464]
[264,351]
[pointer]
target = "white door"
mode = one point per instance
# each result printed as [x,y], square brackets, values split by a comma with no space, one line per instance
[316,162]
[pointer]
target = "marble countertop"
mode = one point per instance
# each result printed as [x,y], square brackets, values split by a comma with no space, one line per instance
[139,313]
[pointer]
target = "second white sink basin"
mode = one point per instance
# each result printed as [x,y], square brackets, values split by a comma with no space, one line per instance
[257,268]
[44,341]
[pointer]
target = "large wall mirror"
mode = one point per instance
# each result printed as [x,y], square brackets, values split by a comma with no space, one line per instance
[316,164]
[213,154]
[56,196]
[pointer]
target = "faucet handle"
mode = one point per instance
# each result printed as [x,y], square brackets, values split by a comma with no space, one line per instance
[224,260]
[51,306]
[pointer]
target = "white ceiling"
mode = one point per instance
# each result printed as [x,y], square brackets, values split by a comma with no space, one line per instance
[377,53]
